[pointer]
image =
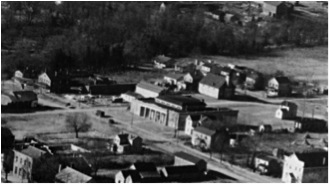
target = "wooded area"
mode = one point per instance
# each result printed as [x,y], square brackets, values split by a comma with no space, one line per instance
[109,35]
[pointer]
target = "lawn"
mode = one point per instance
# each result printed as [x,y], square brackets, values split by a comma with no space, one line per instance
[302,63]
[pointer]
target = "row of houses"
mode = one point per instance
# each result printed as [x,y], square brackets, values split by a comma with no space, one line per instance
[218,81]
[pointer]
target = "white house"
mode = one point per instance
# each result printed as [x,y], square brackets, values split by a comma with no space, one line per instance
[148,90]
[216,86]
[190,123]
[306,167]
[202,137]
[44,79]
[23,162]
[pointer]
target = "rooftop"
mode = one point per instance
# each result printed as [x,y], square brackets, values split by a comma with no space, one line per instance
[162,59]
[213,80]
[178,170]
[174,75]
[69,175]
[33,152]
[205,131]
[149,86]
[181,100]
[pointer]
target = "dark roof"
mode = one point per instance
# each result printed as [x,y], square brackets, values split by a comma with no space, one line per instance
[78,163]
[25,96]
[132,173]
[313,158]
[188,157]
[124,139]
[174,75]
[181,100]
[69,175]
[287,103]
[149,86]
[178,170]
[282,80]
[213,80]
[33,152]
[195,117]
[141,166]
[205,131]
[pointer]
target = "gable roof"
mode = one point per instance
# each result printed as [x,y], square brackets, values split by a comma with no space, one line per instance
[149,86]
[181,100]
[80,163]
[69,175]
[175,75]
[33,152]
[213,80]
[205,131]
[25,96]
[282,80]
[188,157]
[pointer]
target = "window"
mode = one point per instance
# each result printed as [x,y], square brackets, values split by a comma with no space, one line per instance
[16,159]
[20,172]
[15,170]
[21,160]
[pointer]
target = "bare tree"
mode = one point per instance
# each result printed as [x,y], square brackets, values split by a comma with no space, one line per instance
[78,122]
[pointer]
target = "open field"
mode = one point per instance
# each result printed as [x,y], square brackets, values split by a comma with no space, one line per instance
[302,63]
[32,124]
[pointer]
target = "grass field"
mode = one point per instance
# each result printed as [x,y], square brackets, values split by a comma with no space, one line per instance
[30,125]
[302,63]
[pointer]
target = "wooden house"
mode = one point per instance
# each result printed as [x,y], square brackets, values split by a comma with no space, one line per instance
[279,86]
[216,86]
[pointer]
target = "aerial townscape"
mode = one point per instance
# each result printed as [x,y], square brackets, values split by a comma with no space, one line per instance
[164,92]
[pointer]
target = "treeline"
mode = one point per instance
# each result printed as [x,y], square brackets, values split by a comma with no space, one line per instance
[101,35]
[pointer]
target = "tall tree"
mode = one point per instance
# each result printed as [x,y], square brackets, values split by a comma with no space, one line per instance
[78,122]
